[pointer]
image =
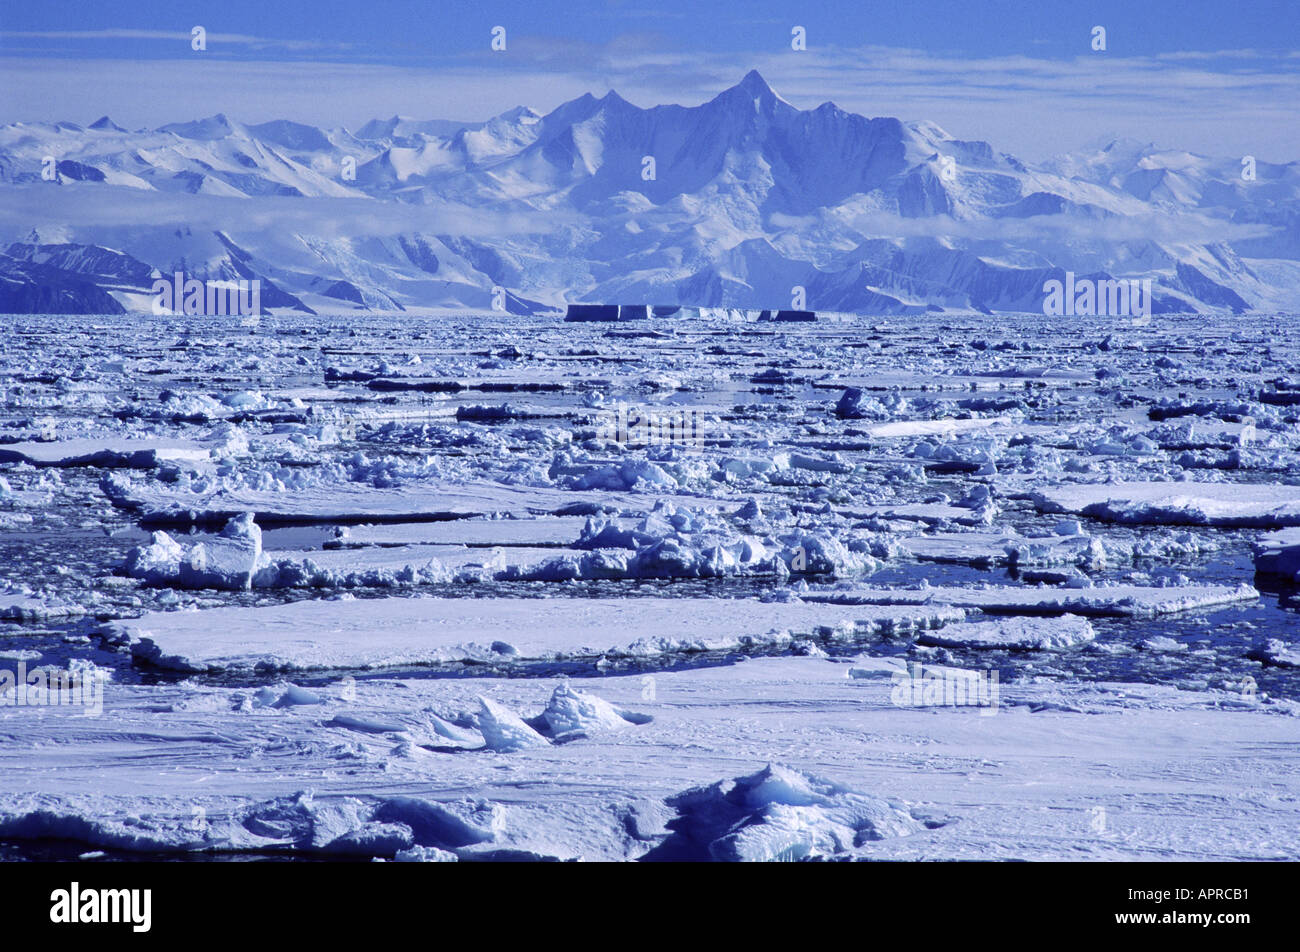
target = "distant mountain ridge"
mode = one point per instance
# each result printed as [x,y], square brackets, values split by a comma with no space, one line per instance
[734,202]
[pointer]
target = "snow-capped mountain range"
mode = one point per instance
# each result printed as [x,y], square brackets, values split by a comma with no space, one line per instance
[735,202]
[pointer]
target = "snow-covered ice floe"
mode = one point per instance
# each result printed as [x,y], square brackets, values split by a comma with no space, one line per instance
[539,531]
[1278,653]
[120,452]
[353,503]
[1069,547]
[1014,634]
[1118,600]
[1278,554]
[19,606]
[1251,505]
[667,543]
[771,759]
[363,634]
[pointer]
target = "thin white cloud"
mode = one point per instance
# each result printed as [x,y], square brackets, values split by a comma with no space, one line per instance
[86,205]
[1171,228]
[1240,102]
[1213,55]
[116,34]
[171,36]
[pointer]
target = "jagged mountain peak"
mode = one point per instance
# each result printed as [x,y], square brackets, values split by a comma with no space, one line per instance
[291,135]
[754,84]
[518,114]
[213,127]
[754,91]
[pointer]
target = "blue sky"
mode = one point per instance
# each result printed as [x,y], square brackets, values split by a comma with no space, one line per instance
[1214,77]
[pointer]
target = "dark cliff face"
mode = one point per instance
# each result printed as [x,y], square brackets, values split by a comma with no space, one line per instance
[30,288]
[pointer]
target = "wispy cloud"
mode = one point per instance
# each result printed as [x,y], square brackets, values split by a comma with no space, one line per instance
[1172,228]
[1230,102]
[71,205]
[172,36]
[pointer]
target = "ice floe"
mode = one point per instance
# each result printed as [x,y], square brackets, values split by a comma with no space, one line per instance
[1014,634]
[1117,600]
[133,453]
[936,783]
[404,632]
[1256,505]
[17,606]
[1279,653]
[1278,554]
